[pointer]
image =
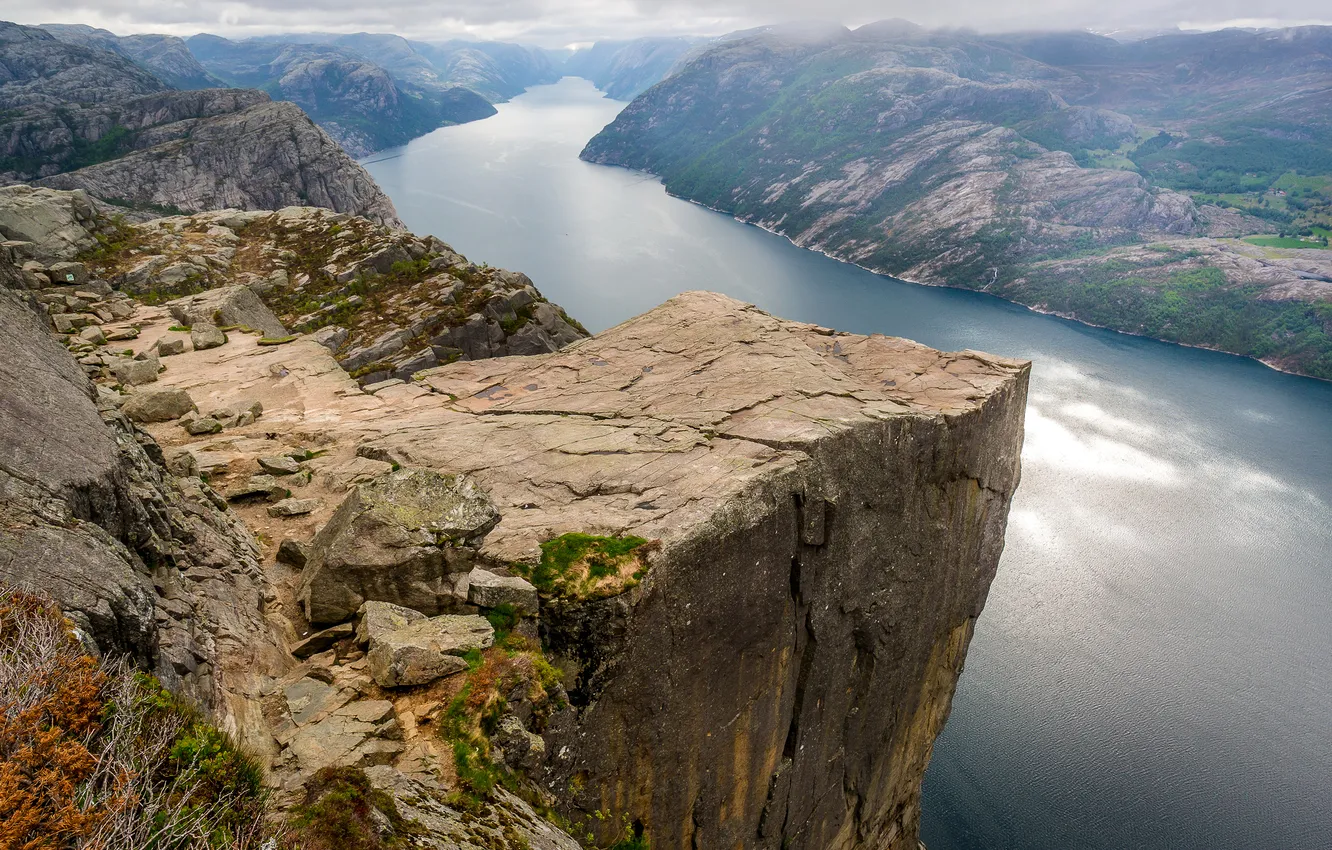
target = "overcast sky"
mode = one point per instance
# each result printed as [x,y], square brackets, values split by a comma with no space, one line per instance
[555,23]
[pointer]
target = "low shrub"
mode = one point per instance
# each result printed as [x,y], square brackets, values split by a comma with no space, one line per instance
[99,755]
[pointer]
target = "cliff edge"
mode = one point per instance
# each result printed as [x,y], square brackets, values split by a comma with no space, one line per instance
[708,577]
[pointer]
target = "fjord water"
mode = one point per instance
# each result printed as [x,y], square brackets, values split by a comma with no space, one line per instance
[1154,665]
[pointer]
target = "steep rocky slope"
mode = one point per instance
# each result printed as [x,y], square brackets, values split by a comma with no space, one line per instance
[357,102]
[625,69]
[949,158]
[384,302]
[513,585]
[495,70]
[164,56]
[89,119]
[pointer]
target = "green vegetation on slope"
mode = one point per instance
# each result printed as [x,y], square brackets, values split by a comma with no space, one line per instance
[1194,306]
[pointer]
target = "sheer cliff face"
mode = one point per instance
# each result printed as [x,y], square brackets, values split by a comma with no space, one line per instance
[82,118]
[831,509]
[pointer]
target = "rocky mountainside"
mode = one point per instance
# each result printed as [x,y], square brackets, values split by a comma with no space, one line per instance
[357,102]
[504,593]
[495,70]
[164,56]
[79,118]
[625,69]
[1065,172]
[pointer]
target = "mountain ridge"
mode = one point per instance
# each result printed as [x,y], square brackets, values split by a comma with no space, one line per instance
[956,159]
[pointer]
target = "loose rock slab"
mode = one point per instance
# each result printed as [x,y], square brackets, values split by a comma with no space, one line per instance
[488,590]
[158,405]
[427,650]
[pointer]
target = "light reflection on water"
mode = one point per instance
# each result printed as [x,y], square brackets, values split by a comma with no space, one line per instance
[1154,665]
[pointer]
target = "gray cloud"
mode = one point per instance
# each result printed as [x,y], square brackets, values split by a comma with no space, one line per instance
[557,22]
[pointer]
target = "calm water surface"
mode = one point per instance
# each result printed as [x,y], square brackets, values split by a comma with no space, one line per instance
[1154,665]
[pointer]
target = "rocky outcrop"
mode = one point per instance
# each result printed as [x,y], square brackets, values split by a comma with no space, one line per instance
[229,305]
[56,225]
[81,118]
[266,156]
[388,304]
[426,650]
[810,523]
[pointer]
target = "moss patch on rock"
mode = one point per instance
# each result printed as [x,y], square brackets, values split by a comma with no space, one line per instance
[588,566]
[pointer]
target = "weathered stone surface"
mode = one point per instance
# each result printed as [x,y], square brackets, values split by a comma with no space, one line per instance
[168,347]
[67,274]
[396,539]
[204,336]
[58,225]
[133,373]
[847,487]
[333,731]
[158,405]
[257,487]
[182,463]
[279,465]
[421,799]
[379,618]
[331,337]
[760,520]
[227,306]
[239,413]
[293,507]
[202,425]
[426,650]
[488,590]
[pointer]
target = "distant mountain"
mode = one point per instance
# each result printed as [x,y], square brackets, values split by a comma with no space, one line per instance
[624,69]
[76,117]
[495,70]
[1100,180]
[356,101]
[164,56]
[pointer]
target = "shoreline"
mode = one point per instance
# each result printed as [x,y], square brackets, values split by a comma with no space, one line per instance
[1028,307]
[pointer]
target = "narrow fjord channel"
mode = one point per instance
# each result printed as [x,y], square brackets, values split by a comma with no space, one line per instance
[1154,665]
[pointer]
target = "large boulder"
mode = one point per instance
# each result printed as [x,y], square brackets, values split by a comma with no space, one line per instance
[426,650]
[205,335]
[133,373]
[379,618]
[407,537]
[59,225]
[227,306]
[158,405]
